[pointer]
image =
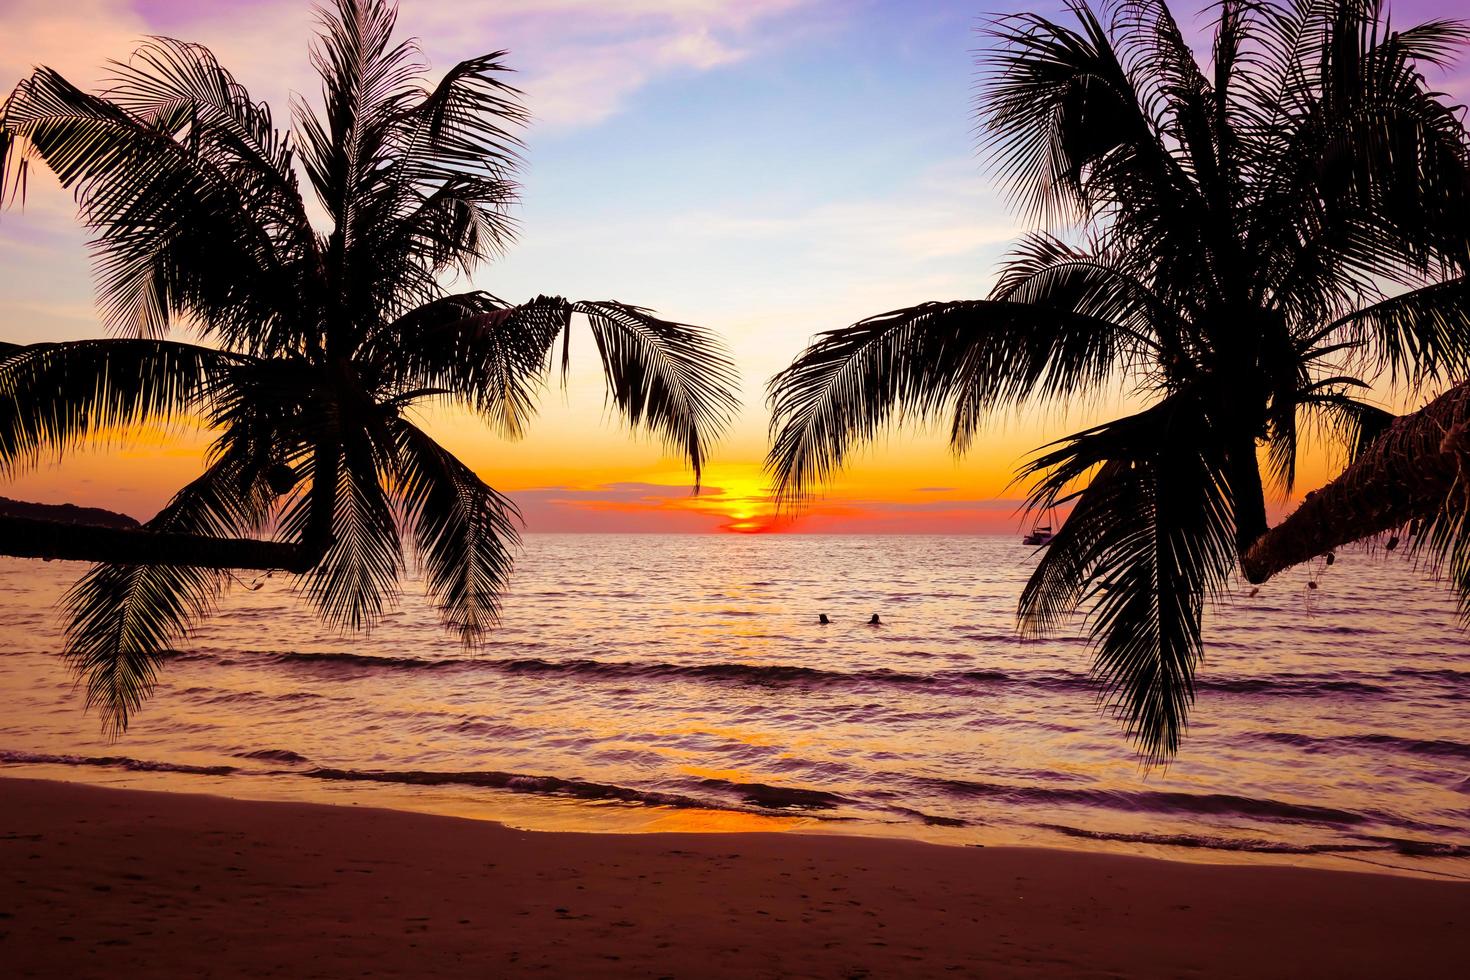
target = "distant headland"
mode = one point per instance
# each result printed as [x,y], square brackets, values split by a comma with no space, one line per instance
[64,513]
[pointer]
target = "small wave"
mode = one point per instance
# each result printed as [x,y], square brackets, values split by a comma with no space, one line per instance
[757,794]
[933,820]
[1338,629]
[112,762]
[1423,848]
[952,681]
[967,633]
[1445,674]
[178,656]
[258,697]
[274,755]
[757,674]
[752,673]
[517,782]
[778,797]
[367,660]
[1436,747]
[1251,845]
[1154,801]
[1289,685]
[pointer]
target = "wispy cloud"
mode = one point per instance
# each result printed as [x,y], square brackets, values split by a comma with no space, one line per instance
[582,60]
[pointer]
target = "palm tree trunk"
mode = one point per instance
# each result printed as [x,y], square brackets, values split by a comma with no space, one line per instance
[27,537]
[1407,473]
[1248,493]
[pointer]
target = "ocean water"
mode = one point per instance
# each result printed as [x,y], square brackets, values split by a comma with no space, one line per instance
[682,683]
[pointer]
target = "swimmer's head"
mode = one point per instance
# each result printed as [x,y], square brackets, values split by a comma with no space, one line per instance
[823,620]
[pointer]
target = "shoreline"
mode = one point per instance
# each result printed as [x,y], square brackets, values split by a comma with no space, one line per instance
[97,881]
[714,689]
[553,813]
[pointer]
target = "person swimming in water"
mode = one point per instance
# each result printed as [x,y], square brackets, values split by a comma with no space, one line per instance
[875,621]
[822,620]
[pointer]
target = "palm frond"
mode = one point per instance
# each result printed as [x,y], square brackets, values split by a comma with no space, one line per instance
[455,157]
[464,532]
[55,396]
[1353,424]
[122,619]
[1162,66]
[184,226]
[1441,540]
[357,576]
[368,83]
[1150,538]
[1047,273]
[178,87]
[1392,146]
[1066,126]
[972,356]
[675,380]
[1421,335]
[478,349]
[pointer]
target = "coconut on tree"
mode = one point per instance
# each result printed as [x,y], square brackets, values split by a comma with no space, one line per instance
[1257,238]
[313,343]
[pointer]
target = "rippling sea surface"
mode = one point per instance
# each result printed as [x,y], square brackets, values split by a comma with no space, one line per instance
[647,682]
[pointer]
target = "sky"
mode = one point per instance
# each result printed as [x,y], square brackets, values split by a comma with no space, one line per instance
[768,168]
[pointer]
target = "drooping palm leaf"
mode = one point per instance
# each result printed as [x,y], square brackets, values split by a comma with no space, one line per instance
[478,349]
[122,618]
[357,576]
[182,225]
[673,379]
[969,357]
[1421,335]
[1355,424]
[1149,540]
[55,396]
[464,532]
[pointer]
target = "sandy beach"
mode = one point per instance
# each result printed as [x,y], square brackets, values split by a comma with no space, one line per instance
[104,882]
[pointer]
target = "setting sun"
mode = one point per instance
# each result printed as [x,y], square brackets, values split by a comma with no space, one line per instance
[739,497]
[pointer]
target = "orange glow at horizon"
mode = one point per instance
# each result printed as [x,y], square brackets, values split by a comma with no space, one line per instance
[565,481]
[573,472]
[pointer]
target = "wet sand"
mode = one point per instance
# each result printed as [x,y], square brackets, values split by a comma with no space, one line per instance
[121,883]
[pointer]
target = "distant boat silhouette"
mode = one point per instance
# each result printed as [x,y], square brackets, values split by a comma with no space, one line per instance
[1040,535]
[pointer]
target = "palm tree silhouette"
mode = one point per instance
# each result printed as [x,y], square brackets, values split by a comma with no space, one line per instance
[314,345]
[1261,236]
